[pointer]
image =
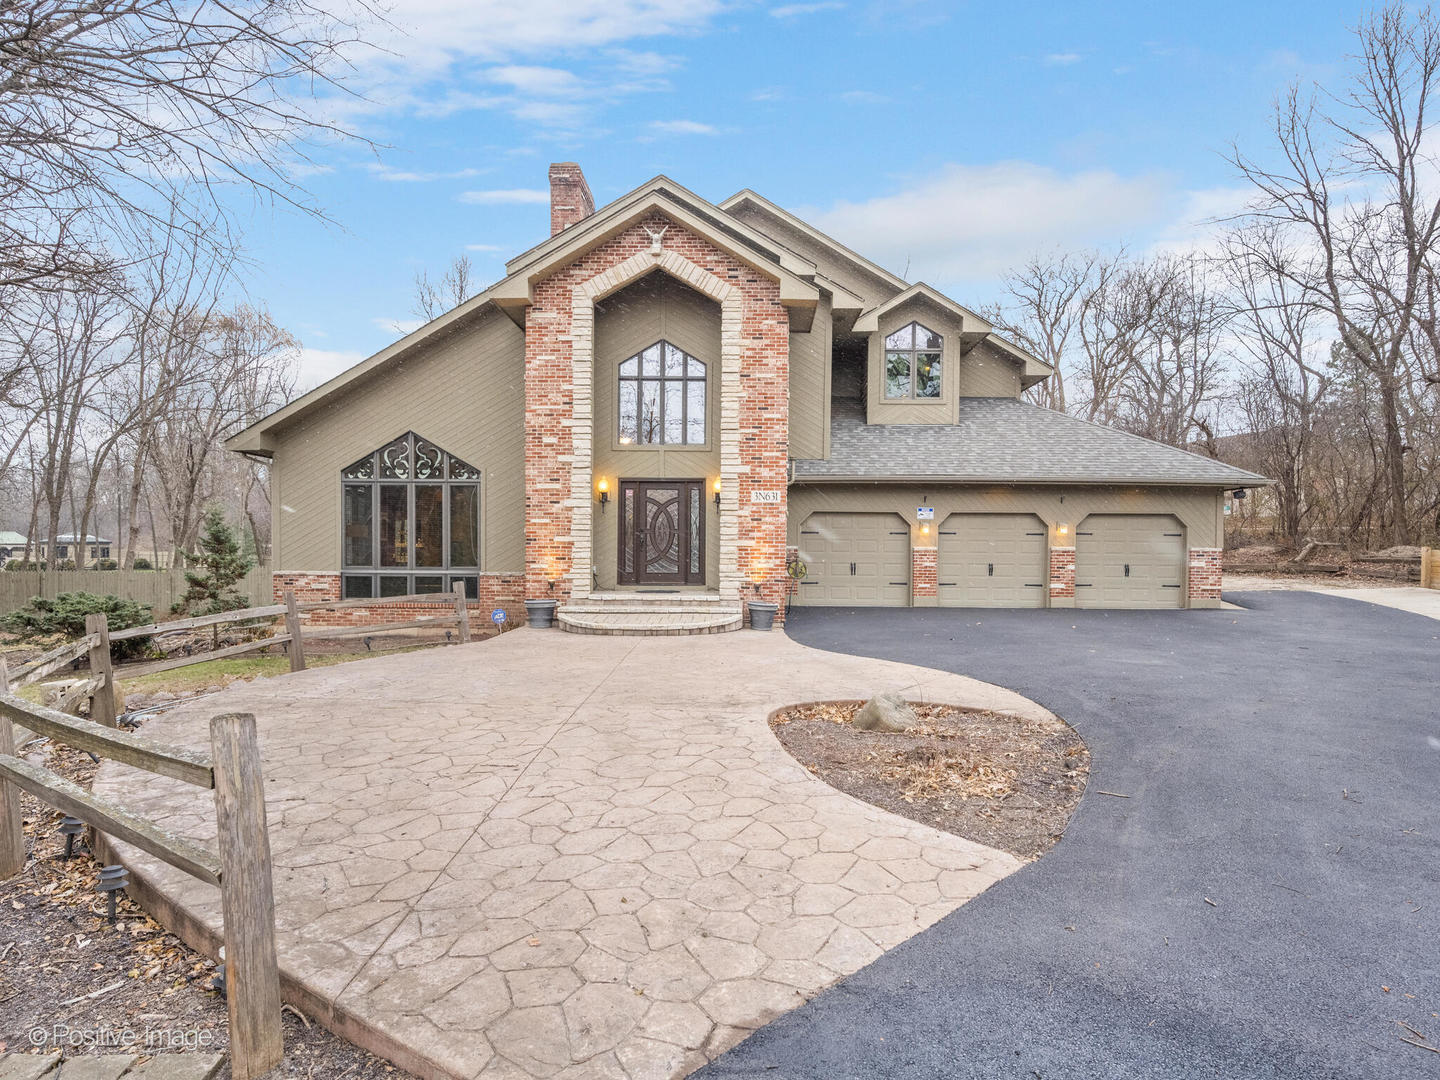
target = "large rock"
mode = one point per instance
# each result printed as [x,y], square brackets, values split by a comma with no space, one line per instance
[885,712]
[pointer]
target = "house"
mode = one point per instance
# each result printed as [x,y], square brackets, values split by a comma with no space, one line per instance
[12,545]
[69,547]
[674,407]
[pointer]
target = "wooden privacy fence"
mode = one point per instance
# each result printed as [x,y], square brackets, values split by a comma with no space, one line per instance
[160,590]
[1430,568]
[241,867]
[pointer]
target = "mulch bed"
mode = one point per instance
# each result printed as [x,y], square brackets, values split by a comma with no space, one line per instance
[72,981]
[1001,780]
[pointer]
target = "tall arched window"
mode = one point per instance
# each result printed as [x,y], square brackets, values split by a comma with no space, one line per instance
[662,397]
[411,522]
[912,362]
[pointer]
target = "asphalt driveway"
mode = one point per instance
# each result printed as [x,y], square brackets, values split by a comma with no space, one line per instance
[1265,903]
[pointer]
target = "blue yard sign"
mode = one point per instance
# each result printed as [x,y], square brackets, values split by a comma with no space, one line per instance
[498,616]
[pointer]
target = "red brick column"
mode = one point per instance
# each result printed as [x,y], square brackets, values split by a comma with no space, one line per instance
[764,416]
[1062,577]
[1204,577]
[924,572]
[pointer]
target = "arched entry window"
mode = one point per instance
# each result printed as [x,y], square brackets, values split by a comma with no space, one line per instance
[662,397]
[411,522]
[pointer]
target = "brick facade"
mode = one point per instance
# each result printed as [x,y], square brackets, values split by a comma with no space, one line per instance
[1062,577]
[1204,576]
[924,572]
[559,425]
[316,586]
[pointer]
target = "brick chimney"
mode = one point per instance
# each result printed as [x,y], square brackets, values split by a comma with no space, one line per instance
[570,198]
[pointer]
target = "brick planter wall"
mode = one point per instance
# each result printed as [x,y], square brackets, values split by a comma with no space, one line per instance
[924,572]
[496,591]
[1204,576]
[1062,577]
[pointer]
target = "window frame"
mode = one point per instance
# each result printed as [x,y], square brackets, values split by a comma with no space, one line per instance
[912,353]
[623,439]
[450,575]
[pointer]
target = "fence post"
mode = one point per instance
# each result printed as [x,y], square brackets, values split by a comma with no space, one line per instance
[12,831]
[292,627]
[102,699]
[462,615]
[247,897]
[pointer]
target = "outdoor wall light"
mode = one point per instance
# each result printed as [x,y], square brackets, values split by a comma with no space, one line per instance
[717,493]
[603,487]
[924,530]
[1062,530]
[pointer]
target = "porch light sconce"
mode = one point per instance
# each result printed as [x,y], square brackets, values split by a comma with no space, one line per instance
[717,494]
[1062,530]
[924,530]
[603,487]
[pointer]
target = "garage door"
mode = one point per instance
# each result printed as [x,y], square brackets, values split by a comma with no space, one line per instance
[1129,561]
[992,560]
[860,560]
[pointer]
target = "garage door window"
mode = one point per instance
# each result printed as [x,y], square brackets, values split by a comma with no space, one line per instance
[912,362]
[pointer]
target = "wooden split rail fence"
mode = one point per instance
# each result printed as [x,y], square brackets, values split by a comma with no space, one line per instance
[241,866]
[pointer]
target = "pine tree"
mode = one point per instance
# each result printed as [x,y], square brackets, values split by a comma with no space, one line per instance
[220,563]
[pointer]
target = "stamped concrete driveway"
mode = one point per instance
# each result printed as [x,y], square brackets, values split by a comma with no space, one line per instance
[562,856]
[1265,903]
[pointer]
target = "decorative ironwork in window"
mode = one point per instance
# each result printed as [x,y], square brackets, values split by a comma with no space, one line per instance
[662,397]
[913,362]
[411,522]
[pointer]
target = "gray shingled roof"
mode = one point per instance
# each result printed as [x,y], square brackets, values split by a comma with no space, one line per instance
[1001,440]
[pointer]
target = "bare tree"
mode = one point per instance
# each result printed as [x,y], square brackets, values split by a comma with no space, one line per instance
[114,111]
[433,299]
[1352,180]
[1047,296]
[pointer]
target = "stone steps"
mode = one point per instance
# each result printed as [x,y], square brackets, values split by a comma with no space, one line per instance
[648,622]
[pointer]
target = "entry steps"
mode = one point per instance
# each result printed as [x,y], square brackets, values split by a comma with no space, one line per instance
[649,614]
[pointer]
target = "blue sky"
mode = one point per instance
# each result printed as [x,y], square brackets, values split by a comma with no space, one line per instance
[946,141]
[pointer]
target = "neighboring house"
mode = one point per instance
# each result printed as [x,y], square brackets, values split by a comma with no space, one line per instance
[68,546]
[670,405]
[12,546]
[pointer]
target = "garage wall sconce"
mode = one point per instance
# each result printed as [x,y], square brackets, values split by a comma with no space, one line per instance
[924,530]
[717,494]
[1062,530]
[603,487]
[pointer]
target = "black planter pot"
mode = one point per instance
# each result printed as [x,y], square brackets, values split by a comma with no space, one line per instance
[762,614]
[540,613]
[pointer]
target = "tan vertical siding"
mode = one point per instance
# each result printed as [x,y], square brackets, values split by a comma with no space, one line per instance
[465,394]
[810,387]
[941,410]
[870,287]
[654,308]
[987,372]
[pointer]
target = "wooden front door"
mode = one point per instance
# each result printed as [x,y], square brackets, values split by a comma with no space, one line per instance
[662,532]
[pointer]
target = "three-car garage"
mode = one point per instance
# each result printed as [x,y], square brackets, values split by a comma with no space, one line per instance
[989,560]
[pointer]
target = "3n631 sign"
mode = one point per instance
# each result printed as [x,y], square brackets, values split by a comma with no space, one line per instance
[765,498]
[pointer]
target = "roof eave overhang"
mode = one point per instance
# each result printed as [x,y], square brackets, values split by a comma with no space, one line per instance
[1227,485]
[971,324]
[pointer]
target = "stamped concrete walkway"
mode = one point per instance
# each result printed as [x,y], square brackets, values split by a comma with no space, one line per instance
[553,855]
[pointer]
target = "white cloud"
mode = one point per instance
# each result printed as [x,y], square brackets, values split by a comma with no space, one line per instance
[540,81]
[1062,59]
[399,326]
[401,176]
[505,195]
[971,223]
[790,11]
[683,127]
[321,365]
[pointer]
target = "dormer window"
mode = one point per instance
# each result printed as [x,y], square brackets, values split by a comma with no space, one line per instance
[662,397]
[912,362]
